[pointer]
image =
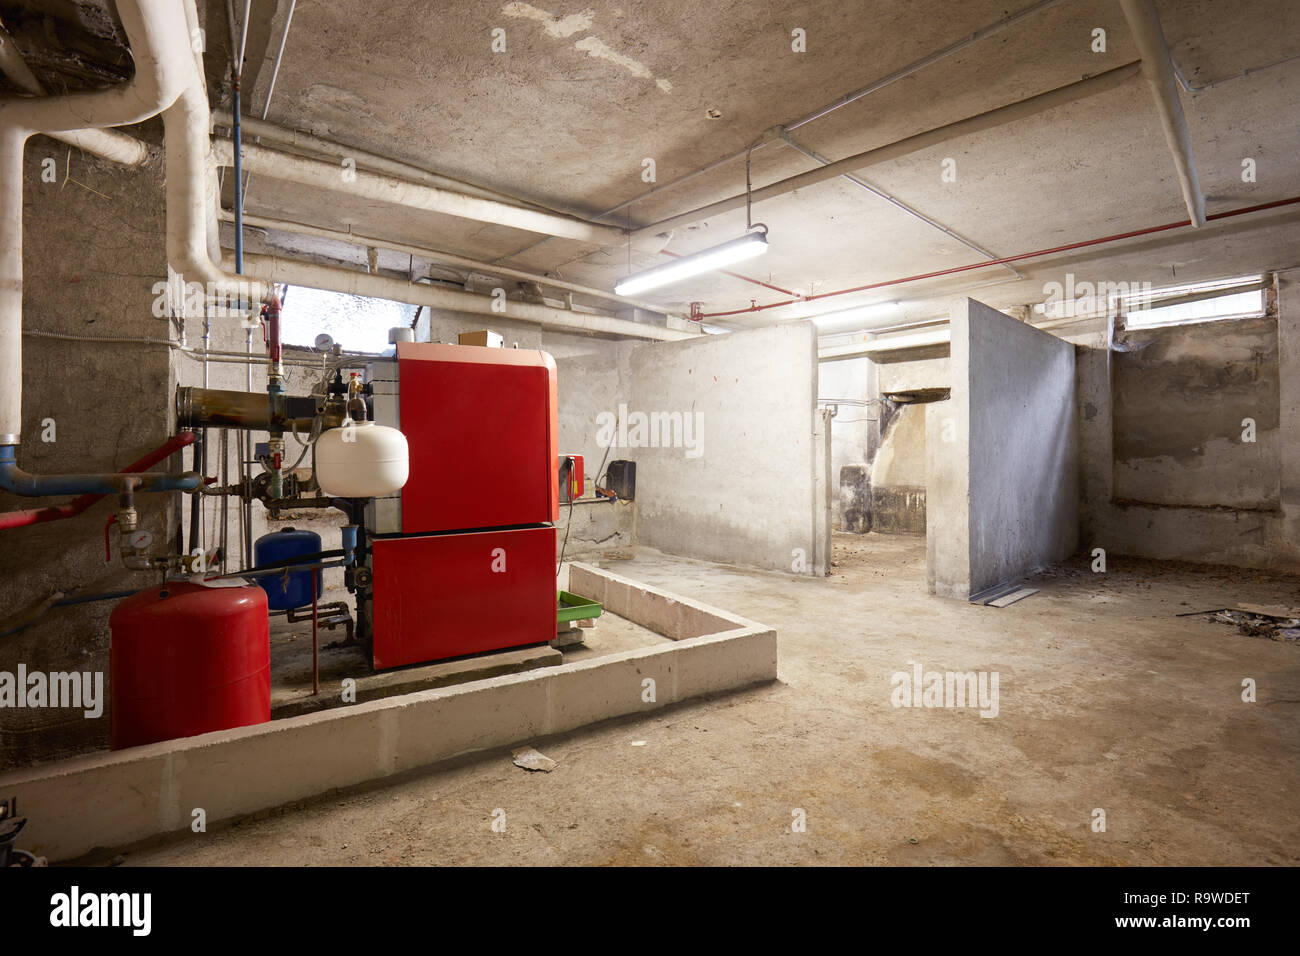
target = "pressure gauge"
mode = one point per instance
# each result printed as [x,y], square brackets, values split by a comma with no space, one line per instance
[324,342]
[140,540]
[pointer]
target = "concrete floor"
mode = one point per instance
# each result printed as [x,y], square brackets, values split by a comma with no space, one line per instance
[1106,700]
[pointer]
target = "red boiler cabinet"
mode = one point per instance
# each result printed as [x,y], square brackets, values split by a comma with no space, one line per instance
[187,659]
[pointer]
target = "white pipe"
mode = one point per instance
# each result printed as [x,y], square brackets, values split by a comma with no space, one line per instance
[265,131]
[191,198]
[352,238]
[160,47]
[382,188]
[334,279]
[11,283]
[988,120]
[104,143]
[1158,69]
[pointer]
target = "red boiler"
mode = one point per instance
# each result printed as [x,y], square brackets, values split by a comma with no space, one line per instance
[187,659]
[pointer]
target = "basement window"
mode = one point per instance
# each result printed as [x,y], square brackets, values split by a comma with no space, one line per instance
[1244,297]
[356,322]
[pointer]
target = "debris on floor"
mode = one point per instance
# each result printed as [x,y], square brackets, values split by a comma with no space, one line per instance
[531,759]
[1257,621]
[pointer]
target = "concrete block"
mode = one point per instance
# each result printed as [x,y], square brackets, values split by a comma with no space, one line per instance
[612,686]
[717,662]
[445,723]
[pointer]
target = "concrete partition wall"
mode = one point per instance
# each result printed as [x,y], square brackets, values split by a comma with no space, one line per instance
[745,486]
[1001,455]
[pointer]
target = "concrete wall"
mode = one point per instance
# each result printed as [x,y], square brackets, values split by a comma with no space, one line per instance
[1181,395]
[1002,455]
[747,493]
[855,429]
[592,383]
[93,248]
[898,474]
[1165,472]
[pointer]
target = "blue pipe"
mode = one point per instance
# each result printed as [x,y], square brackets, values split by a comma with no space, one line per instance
[16,481]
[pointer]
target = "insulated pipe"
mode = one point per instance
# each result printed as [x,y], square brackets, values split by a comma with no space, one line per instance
[271,132]
[191,202]
[1158,69]
[974,124]
[104,143]
[333,279]
[298,228]
[12,140]
[160,47]
[363,184]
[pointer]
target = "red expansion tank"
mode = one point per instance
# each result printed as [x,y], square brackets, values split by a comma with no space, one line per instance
[192,661]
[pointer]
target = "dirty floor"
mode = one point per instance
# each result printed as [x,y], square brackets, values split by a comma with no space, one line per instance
[1107,701]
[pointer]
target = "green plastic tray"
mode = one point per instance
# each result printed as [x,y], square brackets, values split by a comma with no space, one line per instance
[571,607]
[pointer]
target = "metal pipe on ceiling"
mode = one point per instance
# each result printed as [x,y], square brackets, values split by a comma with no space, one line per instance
[1158,70]
[1038,253]
[990,119]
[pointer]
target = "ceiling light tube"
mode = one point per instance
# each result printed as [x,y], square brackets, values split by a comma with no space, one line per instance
[846,318]
[746,247]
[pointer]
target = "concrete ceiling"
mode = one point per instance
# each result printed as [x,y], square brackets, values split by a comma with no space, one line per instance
[585,92]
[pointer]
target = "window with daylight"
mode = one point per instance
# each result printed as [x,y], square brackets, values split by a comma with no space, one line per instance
[1244,297]
[357,323]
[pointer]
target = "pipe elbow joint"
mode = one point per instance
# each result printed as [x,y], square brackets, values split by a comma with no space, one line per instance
[16,481]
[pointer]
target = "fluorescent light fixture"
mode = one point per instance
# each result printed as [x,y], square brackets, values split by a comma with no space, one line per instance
[746,247]
[846,318]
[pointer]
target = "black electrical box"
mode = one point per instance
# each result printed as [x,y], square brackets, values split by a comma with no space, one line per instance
[620,478]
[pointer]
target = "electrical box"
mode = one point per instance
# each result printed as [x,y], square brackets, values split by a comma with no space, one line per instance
[574,478]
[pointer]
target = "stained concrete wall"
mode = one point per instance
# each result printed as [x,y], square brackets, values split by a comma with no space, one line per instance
[898,474]
[92,249]
[1181,396]
[854,430]
[1165,473]
[590,384]
[1001,454]
[748,493]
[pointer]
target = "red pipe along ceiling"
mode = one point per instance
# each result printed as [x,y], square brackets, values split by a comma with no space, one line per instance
[1017,258]
[17,519]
